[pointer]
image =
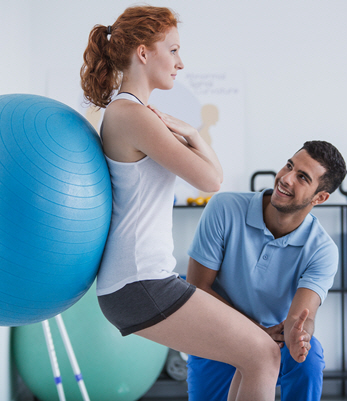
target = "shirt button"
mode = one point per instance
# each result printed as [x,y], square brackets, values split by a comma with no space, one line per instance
[265,257]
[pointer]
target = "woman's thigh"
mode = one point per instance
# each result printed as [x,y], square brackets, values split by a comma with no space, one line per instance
[206,327]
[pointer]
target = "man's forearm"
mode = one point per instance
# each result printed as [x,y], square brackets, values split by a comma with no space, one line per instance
[210,291]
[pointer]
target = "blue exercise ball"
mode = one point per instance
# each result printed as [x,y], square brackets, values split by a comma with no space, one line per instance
[55,207]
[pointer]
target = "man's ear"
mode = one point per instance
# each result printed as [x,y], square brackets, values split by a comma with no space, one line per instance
[320,198]
[141,53]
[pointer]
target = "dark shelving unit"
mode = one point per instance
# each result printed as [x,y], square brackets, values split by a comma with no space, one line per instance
[342,290]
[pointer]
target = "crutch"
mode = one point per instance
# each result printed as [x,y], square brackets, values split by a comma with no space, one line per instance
[71,355]
[53,359]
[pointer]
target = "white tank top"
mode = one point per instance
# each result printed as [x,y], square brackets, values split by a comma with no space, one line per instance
[139,244]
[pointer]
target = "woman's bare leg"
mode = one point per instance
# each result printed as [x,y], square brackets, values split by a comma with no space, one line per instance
[208,328]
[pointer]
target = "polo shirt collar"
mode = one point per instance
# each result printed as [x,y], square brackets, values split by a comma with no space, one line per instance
[255,219]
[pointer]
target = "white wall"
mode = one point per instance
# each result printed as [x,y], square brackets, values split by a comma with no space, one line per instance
[290,58]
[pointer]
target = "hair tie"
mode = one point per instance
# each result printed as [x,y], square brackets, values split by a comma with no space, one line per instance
[109,28]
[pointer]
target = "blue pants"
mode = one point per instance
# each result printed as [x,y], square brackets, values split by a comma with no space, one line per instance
[210,380]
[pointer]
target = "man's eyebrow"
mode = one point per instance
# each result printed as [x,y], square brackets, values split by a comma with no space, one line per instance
[290,161]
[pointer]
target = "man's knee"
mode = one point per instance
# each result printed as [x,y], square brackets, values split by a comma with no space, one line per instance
[315,358]
[302,381]
[314,363]
[311,368]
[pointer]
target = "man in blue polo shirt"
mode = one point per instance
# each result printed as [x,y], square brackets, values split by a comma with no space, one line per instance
[265,255]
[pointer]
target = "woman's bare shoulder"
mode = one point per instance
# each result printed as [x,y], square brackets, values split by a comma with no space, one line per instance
[123,124]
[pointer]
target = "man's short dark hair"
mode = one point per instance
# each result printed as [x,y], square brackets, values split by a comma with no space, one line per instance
[331,159]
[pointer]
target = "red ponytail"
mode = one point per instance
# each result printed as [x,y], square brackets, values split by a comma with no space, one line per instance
[106,59]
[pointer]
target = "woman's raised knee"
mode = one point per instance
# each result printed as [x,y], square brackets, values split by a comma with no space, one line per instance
[267,355]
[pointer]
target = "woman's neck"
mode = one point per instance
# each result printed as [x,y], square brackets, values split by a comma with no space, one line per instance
[136,88]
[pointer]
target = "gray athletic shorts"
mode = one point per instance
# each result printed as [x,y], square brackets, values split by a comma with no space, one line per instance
[145,303]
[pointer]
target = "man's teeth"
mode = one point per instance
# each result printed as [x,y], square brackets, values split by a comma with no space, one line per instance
[283,191]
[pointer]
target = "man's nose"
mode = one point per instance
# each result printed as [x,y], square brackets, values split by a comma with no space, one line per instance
[288,178]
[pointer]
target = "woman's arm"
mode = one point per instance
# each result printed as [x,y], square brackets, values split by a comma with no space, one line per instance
[132,125]
[191,136]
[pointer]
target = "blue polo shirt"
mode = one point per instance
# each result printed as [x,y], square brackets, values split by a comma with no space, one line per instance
[257,273]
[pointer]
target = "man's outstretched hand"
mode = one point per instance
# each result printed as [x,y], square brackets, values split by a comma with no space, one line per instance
[299,340]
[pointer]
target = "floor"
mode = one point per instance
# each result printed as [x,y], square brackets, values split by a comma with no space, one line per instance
[170,390]
[277,399]
[186,399]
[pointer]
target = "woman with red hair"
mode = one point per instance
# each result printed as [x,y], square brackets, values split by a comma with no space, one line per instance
[145,149]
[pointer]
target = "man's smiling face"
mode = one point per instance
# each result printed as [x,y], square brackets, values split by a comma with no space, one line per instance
[296,184]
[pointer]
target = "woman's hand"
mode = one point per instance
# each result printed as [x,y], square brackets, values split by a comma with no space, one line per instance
[192,138]
[175,125]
